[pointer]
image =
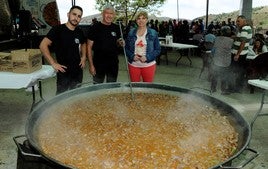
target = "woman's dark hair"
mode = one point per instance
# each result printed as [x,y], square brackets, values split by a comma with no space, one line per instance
[261,44]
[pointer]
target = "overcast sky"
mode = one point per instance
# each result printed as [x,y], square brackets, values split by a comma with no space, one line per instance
[188,9]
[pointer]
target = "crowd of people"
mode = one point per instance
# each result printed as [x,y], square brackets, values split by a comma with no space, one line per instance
[183,30]
[230,50]
[229,43]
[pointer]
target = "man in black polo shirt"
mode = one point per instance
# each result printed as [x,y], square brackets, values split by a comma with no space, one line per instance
[68,41]
[103,48]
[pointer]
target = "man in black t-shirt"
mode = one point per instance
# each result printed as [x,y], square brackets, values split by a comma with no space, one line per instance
[103,48]
[67,40]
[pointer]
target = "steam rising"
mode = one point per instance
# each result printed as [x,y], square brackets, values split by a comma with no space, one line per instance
[113,131]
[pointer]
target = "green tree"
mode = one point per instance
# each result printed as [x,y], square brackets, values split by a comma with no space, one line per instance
[127,9]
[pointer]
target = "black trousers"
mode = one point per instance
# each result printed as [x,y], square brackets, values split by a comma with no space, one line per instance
[110,71]
[69,80]
[238,72]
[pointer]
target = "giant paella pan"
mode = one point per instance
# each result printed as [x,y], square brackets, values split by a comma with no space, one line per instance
[160,126]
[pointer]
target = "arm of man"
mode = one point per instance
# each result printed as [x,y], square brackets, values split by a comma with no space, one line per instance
[83,49]
[241,47]
[44,47]
[92,70]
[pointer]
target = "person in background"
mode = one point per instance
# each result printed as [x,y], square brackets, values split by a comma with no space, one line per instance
[163,29]
[69,44]
[131,24]
[184,32]
[103,44]
[205,47]
[239,54]
[211,26]
[259,47]
[142,47]
[201,26]
[232,25]
[209,39]
[221,54]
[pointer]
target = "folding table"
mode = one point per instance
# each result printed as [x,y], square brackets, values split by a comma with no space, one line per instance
[10,80]
[263,84]
[180,46]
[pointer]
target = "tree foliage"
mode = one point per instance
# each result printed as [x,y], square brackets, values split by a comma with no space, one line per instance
[127,9]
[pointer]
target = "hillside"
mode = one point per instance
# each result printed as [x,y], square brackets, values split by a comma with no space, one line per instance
[259,17]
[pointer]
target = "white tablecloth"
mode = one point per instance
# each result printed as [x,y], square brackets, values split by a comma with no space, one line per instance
[178,45]
[259,83]
[9,80]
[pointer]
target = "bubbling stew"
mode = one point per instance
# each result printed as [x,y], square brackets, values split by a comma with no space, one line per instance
[154,130]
